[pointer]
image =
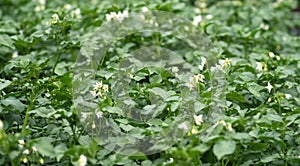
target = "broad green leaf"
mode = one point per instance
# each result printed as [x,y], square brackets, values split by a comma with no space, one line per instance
[85,140]
[160,92]
[44,147]
[240,136]
[201,148]
[44,112]
[59,151]
[224,147]
[4,83]
[126,127]
[5,40]
[14,102]
[254,88]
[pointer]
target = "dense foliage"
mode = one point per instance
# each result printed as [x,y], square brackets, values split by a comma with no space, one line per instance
[256,44]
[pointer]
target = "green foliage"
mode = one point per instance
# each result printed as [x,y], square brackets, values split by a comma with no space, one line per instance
[260,126]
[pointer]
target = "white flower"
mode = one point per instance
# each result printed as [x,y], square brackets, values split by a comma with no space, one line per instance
[200,67]
[198,119]
[269,87]
[175,69]
[110,16]
[183,126]
[76,13]
[55,18]
[25,160]
[41,161]
[15,54]
[1,125]
[269,100]
[84,115]
[98,85]
[129,75]
[271,54]
[229,127]
[34,148]
[224,63]
[202,5]
[125,14]
[99,114]
[288,96]
[197,10]
[190,85]
[42,2]
[195,131]
[209,17]
[222,122]
[96,93]
[259,66]
[144,9]
[26,151]
[277,57]
[21,142]
[117,16]
[82,160]
[197,20]
[194,80]
[199,78]
[264,26]
[171,160]
[203,62]
[105,88]
[67,6]
[93,125]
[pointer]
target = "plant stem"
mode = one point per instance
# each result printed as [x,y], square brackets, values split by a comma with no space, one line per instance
[57,50]
[30,105]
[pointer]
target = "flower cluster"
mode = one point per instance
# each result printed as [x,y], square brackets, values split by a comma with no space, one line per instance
[198,119]
[99,89]
[183,126]
[197,20]
[76,13]
[261,66]
[41,5]
[54,19]
[117,16]
[228,126]
[82,161]
[175,70]
[224,63]
[269,87]
[193,81]
[203,62]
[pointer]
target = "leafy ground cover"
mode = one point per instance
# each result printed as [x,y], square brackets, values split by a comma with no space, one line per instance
[255,47]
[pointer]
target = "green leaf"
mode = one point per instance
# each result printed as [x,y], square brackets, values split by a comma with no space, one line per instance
[160,92]
[201,148]
[44,147]
[14,102]
[254,88]
[59,151]
[240,136]
[224,147]
[43,112]
[4,83]
[85,140]
[126,127]
[155,79]
[6,41]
